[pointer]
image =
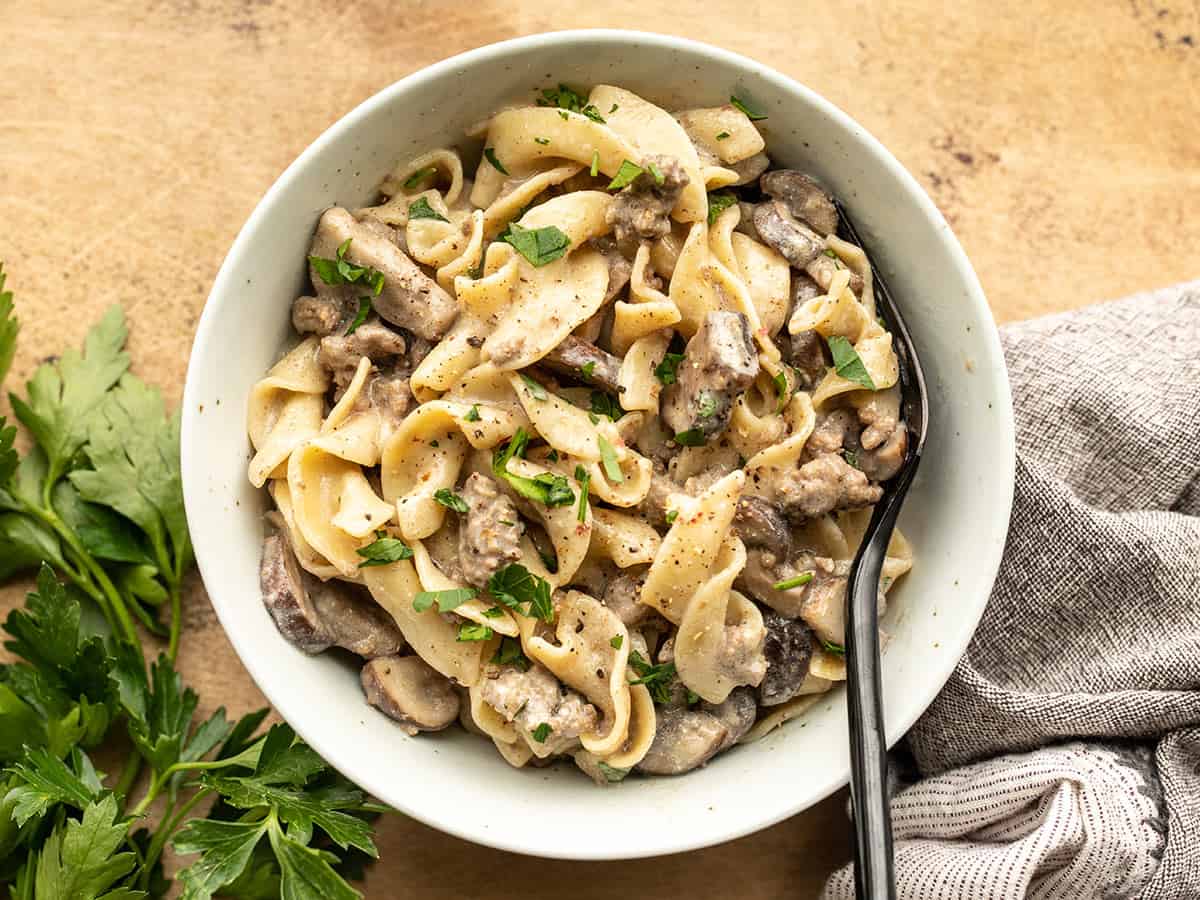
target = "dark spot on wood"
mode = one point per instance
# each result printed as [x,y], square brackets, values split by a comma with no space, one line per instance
[965,158]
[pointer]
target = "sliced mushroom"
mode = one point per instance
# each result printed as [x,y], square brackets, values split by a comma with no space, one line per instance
[683,740]
[884,461]
[353,620]
[642,211]
[736,712]
[803,197]
[719,363]
[585,362]
[409,690]
[824,266]
[287,600]
[759,524]
[807,355]
[749,169]
[409,298]
[788,648]
[320,315]
[746,221]
[619,267]
[489,535]
[795,241]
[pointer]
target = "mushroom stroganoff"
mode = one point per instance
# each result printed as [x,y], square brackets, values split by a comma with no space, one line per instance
[578,452]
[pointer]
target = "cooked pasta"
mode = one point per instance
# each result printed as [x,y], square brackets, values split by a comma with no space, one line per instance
[599,428]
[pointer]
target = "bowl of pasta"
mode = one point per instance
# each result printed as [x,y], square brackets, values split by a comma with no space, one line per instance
[534,419]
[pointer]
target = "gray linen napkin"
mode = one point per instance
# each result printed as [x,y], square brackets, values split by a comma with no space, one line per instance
[1074,717]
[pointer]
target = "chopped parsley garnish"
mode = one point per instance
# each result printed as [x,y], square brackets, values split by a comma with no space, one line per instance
[509,653]
[364,310]
[552,456]
[656,173]
[752,114]
[614,109]
[435,444]
[781,390]
[608,459]
[723,135]
[788,583]
[494,612]
[536,391]
[584,477]
[541,140]
[418,176]
[718,202]
[616,641]
[340,271]
[828,251]
[657,678]
[672,515]
[446,600]
[562,114]
[547,489]
[490,155]
[519,589]
[848,363]
[625,175]
[450,500]
[692,697]
[666,370]
[606,405]
[706,405]
[851,457]
[538,245]
[587,370]
[420,209]
[542,732]
[612,774]
[472,413]
[383,551]
[473,631]
[595,170]
[593,418]
[836,649]
[693,437]
[567,99]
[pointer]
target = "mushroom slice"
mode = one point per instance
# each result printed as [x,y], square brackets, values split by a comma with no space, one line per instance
[749,169]
[353,620]
[684,740]
[736,712]
[788,648]
[585,362]
[803,197]
[287,600]
[795,241]
[760,524]
[409,690]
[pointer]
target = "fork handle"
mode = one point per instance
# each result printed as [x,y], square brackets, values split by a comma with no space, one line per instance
[873,874]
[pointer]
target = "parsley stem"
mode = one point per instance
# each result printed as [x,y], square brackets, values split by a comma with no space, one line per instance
[133,768]
[167,827]
[161,779]
[175,591]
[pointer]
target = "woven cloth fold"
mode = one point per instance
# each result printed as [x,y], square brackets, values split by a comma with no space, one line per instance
[1062,758]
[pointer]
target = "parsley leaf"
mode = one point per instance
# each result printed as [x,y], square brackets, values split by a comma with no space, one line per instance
[611,773]
[781,390]
[383,550]
[420,209]
[418,176]
[656,678]
[41,779]
[588,369]
[693,437]
[80,858]
[595,169]
[472,631]
[341,271]
[604,404]
[509,653]
[536,391]
[545,488]
[616,641]
[835,649]
[718,202]
[584,477]
[226,848]
[9,328]
[364,310]
[608,458]
[519,589]
[798,581]
[472,413]
[565,98]
[848,363]
[626,175]
[672,515]
[751,113]
[667,370]
[447,600]
[722,135]
[541,140]
[450,500]
[542,732]
[540,246]
[706,405]
[656,173]
[490,155]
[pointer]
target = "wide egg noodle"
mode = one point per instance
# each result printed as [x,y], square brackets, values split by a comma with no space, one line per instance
[647,311]
[517,193]
[741,139]
[285,410]
[475,609]
[639,386]
[626,540]
[310,560]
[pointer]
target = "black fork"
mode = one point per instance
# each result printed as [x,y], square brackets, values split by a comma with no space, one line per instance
[874,878]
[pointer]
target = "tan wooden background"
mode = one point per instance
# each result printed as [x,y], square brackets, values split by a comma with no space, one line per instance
[1059,138]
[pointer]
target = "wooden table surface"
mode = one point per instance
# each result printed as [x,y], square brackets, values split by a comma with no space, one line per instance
[1061,144]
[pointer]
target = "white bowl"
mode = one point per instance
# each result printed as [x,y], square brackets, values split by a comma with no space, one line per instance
[956,515]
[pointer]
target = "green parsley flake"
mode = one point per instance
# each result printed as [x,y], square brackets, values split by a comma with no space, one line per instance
[848,363]
[538,245]
[542,732]
[519,589]
[723,135]
[606,405]
[656,173]
[781,390]
[829,252]
[752,114]
[693,437]
[706,405]
[418,176]
[472,413]
[625,176]
[450,500]
[718,202]
[546,488]
[788,583]
[614,109]
[851,456]
[835,649]
[364,310]
[616,641]
[446,600]
[587,370]
[608,458]
[584,477]
[672,515]
[593,418]
[383,551]
[494,612]
[509,653]
[667,370]
[541,140]
[657,678]
[595,170]
[490,155]
[536,391]
[420,209]
[567,99]
[612,774]
[341,271]
[473,631]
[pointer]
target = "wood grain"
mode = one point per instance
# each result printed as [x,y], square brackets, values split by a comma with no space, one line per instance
[1058,138]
